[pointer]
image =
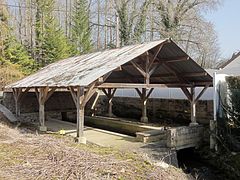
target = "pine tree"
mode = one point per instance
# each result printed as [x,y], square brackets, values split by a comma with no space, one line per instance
[11,51]
[81,32]
[51,43]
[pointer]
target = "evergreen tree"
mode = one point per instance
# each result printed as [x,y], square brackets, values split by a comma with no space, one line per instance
[11,51]
[51,43]
[81,32]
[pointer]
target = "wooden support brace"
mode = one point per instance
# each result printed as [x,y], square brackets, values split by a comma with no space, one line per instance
[80,99]
[43,94]
[202,92]
[187,93]
[155,56]
[18,95]
[110,93]
[94,103]
[139,68]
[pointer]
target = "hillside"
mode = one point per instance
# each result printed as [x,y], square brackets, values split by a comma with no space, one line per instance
[25,154]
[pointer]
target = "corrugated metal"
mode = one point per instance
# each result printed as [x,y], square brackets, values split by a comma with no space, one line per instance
[85,69]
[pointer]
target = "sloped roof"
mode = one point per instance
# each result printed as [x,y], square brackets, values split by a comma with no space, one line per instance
[233,68]
[85,69]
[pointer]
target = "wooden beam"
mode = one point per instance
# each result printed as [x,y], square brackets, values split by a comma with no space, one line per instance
[193,108]
[91,90]
[166,75]
[155,56]
[104,77]
[104,91]
[202,92]
[144,99]
[150,92]
[42,94]
[80,115]
[139,68]
[16,94]
[94,103]
[139,92]
[177,59]
[74,96]
[129,85]
[49,94]
[37,92]
[187,93]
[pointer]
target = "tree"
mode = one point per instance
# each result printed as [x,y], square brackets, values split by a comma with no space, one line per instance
[81,32]
[132,15]
[11,51]
[51,43]
[183,22]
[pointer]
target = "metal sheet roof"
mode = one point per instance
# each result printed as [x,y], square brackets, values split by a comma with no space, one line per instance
[85,69]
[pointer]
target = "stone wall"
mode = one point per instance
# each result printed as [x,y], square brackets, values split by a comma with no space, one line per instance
[163,109]
[184,137]
[159,110]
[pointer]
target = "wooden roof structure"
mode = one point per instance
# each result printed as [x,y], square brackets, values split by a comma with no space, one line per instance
[167,63]
[142,67]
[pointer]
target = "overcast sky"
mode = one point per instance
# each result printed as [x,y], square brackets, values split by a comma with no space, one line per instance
[227,24]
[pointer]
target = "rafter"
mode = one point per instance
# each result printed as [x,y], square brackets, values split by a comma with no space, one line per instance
[155,56]
[139,68]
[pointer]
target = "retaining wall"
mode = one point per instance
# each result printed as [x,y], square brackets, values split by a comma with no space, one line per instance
[163,110]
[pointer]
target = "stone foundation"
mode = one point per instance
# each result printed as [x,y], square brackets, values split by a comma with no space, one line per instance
[158,110]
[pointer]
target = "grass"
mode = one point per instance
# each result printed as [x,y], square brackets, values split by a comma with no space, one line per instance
[54,156]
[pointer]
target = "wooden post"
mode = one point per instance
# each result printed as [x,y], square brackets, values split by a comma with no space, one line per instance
[41,102]
[144,117]
[110,93]
[193,108]
[80,99]
[18,95]
[144,98]
[80,116]
[43,95]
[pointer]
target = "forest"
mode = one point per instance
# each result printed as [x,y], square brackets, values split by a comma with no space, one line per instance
[35,33]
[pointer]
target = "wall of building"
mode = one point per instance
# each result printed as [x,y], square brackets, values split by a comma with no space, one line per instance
[159,110]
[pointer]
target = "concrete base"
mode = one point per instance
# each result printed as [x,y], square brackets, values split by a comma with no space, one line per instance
[193,124]
[81,140]
[144,119]
[42,128]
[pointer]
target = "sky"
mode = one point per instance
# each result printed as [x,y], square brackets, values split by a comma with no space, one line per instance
[227,25]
